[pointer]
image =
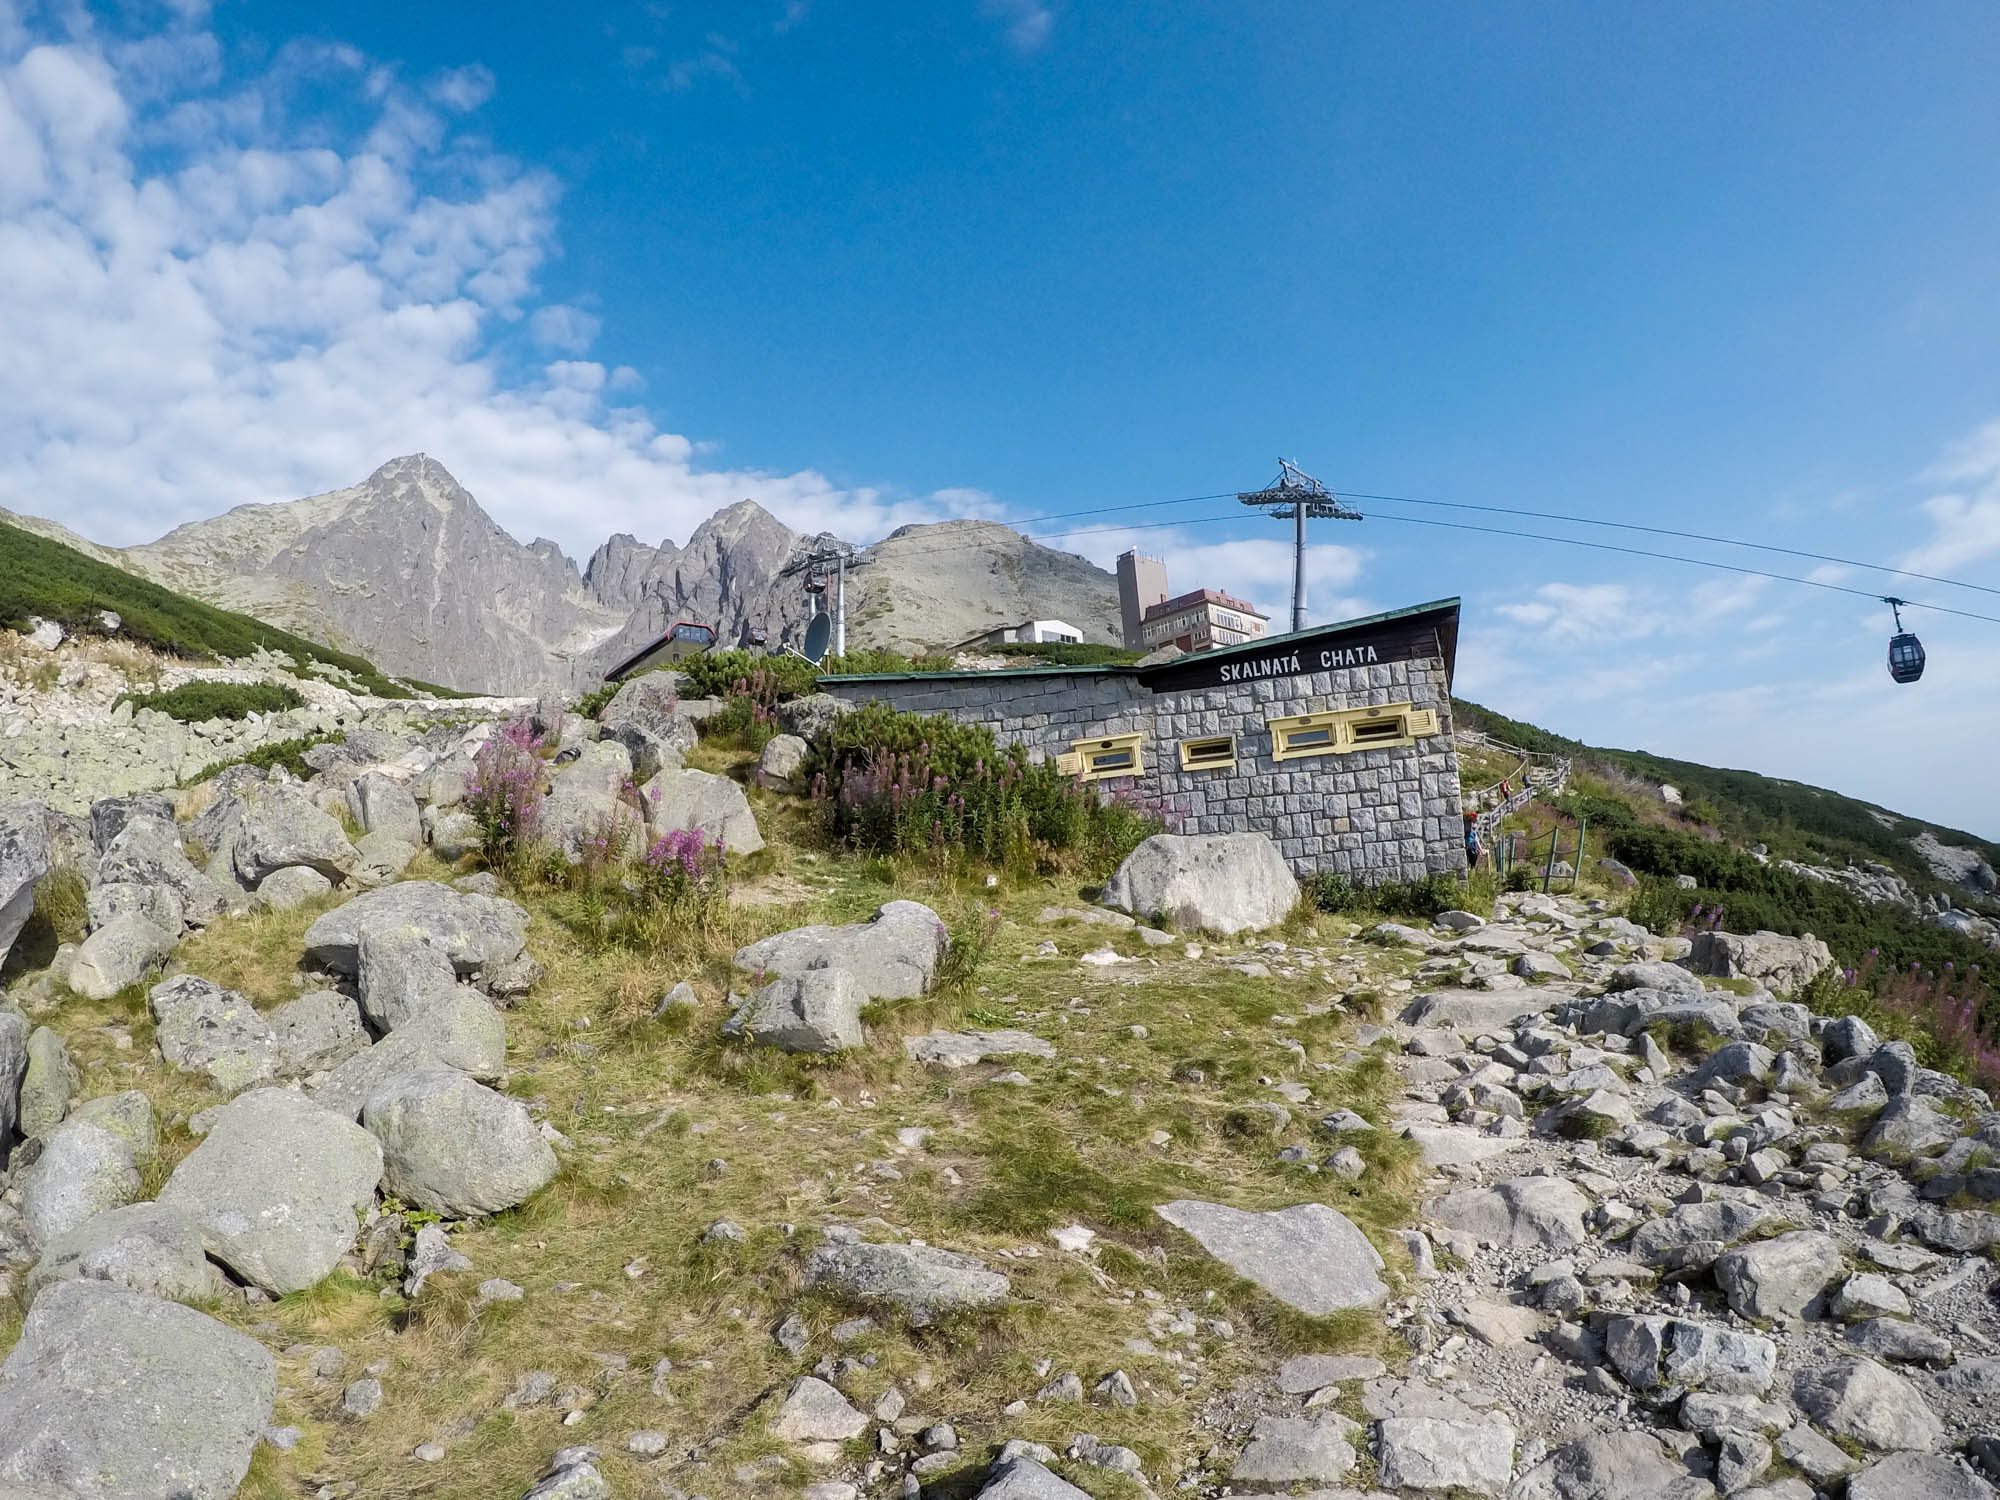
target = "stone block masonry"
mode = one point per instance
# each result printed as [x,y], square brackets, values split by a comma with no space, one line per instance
[1377,814]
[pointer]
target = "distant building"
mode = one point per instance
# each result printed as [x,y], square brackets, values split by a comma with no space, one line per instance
[1032,631]
[1197,621]
[1142,583]
[1201,621]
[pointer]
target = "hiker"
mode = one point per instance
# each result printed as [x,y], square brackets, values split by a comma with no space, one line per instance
[1472,849]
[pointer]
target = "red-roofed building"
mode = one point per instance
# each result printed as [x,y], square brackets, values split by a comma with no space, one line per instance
[1200,621]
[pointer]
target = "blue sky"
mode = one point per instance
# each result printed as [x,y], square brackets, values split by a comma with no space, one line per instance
[1720,268]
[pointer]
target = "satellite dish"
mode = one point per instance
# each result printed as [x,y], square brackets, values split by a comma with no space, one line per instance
[817,635]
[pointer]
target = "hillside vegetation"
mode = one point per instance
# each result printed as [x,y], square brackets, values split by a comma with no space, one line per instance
[1708,840]
[1793,820]
[42,579]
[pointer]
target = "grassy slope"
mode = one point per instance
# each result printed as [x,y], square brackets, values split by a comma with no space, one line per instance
[648,1106]
[43,578]
[1795,820]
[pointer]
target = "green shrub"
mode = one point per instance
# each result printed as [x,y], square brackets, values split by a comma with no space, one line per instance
[1333,891]
[898,783]
[290,754]
[713,674]
[593,703]
[749,715]
[198,702]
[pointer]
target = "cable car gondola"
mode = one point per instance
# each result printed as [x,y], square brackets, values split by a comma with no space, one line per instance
[1906,652]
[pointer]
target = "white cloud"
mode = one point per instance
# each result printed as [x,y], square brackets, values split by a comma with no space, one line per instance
[563,330]
[463,89]
[1028,23]
[211,298]
[1967,518]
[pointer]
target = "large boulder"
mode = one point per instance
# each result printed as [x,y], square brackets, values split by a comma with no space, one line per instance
[143,1247]
[923,1282]
[159,904]
[812,715]
[203,1028]
[1779,1277]
[109,815]
[460,1030]
[316,1031]
[655,742]
[1723,1220]
[586,814]
[1478,1012]
[454,1146]
[118,1396]
[129,1116]
[817,1011]
[1310,1257]
[1866,1403]
[1217,882]
[479,932]
[1022,1478]
[1918,1476]
[1285,1450]
[1781,964]
[892,955]
[1670,978]
[648,694]
[278,1188]
[1434,1454]
[83,1170]
[15,1032]
[46,1084]
[380,804]
[1522,1213]
[292,887]
[24,860]
[281,827]
[1657,1351]
[697,802]
[147,852]
[119,955]
[1632,1465]
[403,970]
[779,764]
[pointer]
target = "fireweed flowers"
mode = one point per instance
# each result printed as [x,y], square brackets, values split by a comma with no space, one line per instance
[506,785]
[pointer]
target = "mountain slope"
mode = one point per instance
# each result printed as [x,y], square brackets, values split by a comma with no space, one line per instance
[41,578]
[405,564]
[408,568]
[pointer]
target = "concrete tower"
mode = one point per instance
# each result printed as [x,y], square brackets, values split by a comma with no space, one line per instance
[1142,583]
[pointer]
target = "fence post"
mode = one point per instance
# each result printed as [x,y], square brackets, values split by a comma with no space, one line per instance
[1548,875]
[1582,832]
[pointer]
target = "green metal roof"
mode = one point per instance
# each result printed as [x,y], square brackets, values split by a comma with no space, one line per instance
[1261,643]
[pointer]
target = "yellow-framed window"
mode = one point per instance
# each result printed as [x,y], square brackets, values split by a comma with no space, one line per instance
[1343,731]
[1114,755]
[1215,752]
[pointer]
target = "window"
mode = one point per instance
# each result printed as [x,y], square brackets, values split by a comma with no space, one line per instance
[1308,734]
[1343,730]
[1118,755]
[1215,753]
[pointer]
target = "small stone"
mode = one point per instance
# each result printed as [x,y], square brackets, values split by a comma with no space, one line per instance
[647,1444]
[362,1398]
[429,1453]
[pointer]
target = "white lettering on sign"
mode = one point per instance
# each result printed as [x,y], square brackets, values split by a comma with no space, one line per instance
[1351,656]
[1274,666]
